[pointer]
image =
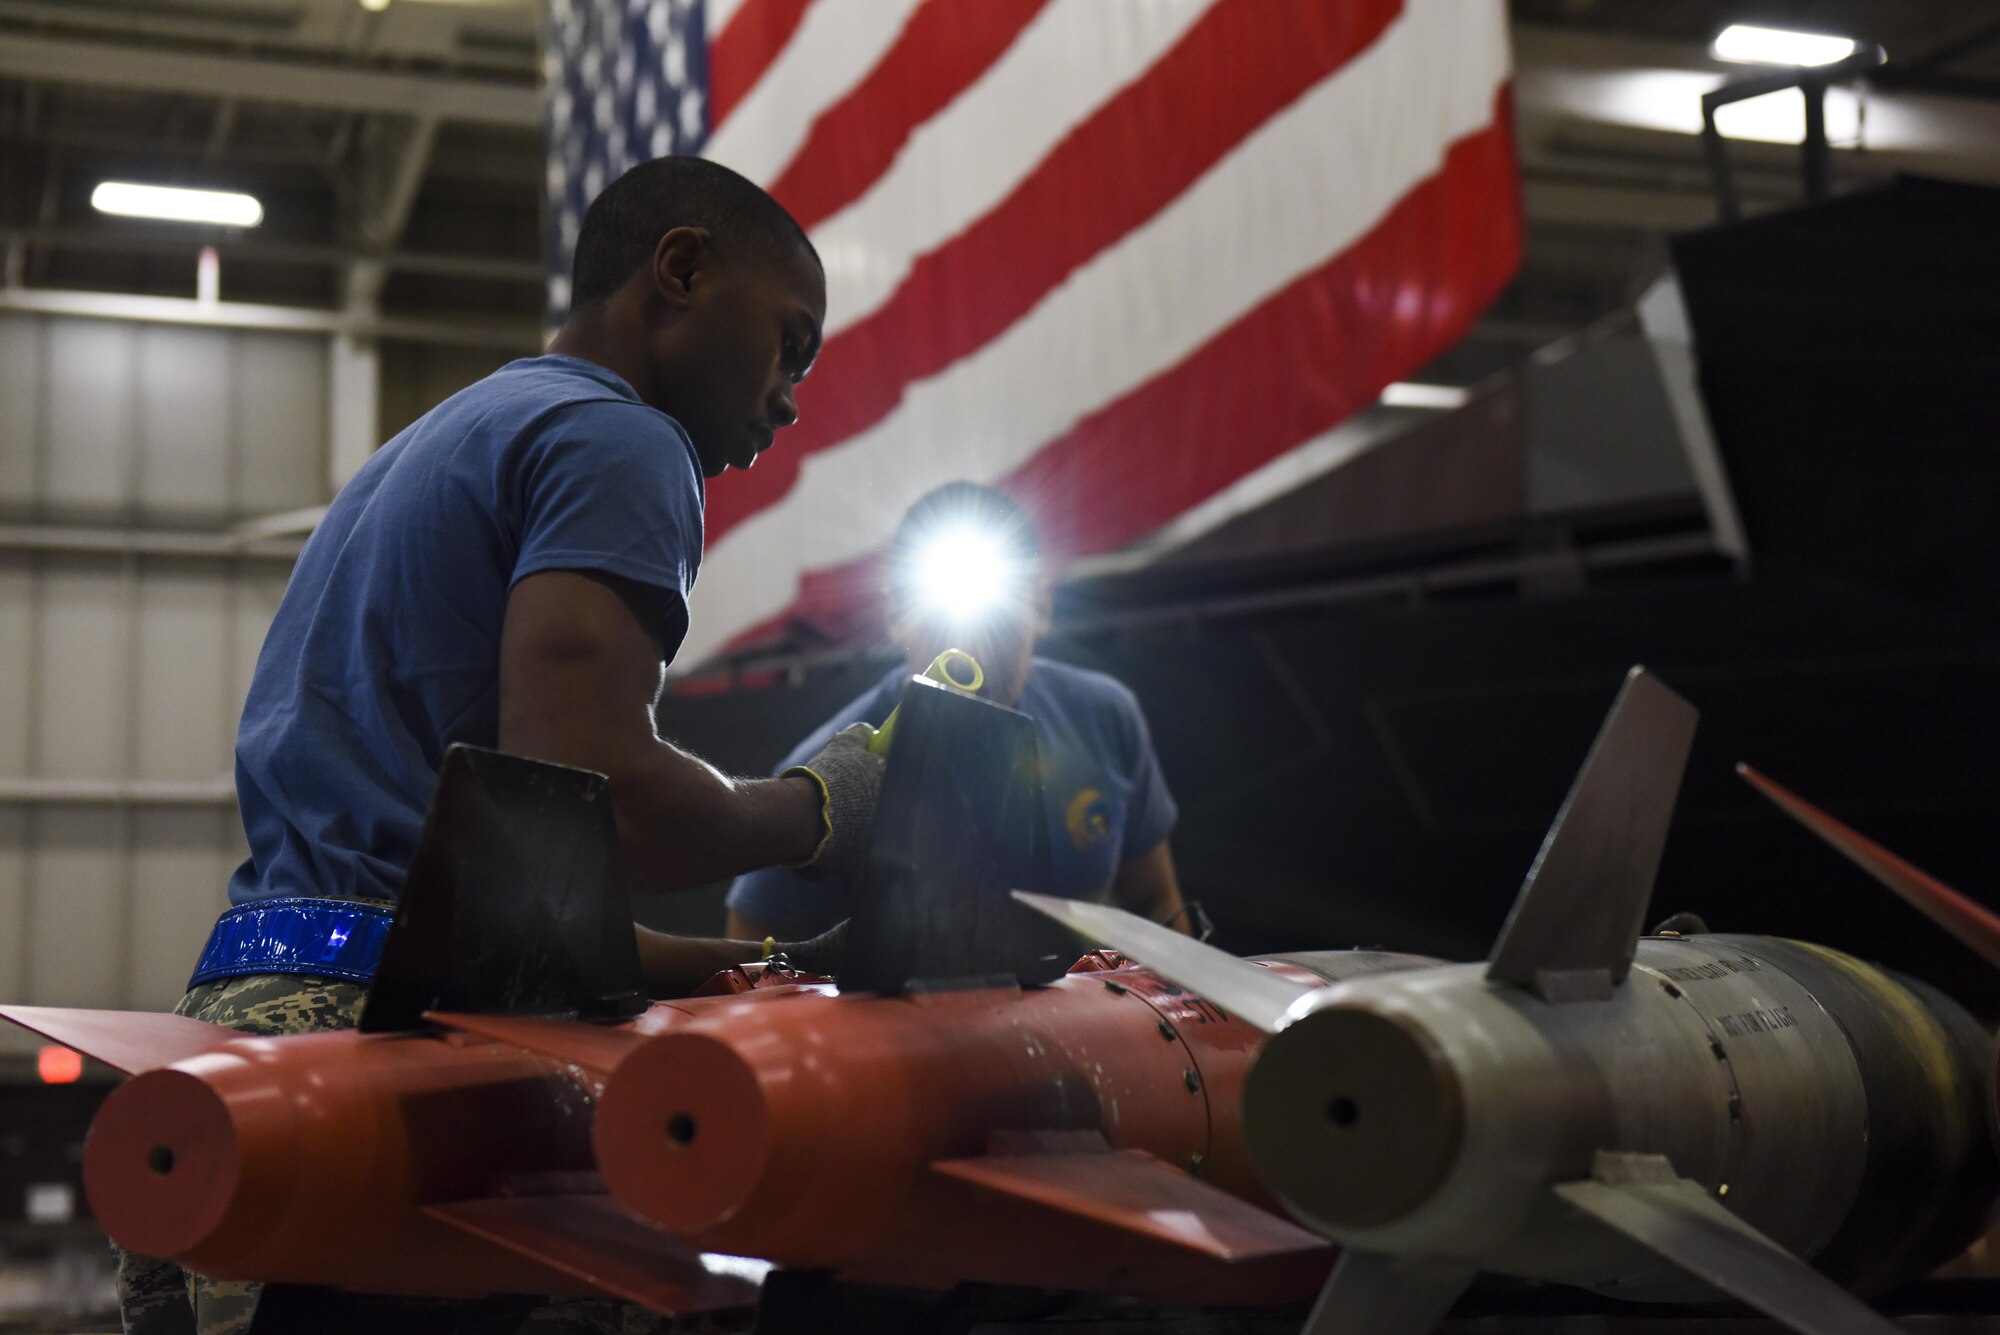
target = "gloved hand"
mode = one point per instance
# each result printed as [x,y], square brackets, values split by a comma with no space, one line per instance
[825,954]
[849,777]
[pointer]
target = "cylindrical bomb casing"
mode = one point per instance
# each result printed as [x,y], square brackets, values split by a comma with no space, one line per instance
[1929,1176]
[802,1129]
[308,1159]
[1430,1113]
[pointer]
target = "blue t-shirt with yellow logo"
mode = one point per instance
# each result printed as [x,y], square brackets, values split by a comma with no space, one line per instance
[1106,798]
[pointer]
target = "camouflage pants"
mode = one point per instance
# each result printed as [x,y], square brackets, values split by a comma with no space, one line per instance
[157,1297]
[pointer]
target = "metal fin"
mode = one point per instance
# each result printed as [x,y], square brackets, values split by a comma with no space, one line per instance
[1573,928]
[514,903]
[1135,1193]
[593,1240]
[128,1041]
[1248,991]
[1641,1197]
[1387,1295]
[1974,926]
[958,823]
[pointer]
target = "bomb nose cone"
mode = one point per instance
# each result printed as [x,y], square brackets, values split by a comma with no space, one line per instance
[164,1163]
[683,1133]
[1353,1116]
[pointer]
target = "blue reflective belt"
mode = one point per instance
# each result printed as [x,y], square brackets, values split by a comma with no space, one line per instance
[328,938]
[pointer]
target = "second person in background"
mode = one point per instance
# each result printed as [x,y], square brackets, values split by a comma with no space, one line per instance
[965,572]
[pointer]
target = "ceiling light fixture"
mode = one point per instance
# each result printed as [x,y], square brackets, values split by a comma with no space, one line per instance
[374,6]
[1747,44]
[129,199]
[1410,394]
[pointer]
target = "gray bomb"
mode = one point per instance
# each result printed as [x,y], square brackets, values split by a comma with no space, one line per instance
[1666,1118]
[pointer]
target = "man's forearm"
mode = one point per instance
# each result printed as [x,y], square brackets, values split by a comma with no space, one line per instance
[676,965]
[1148,886]
[580,679]
[682,823]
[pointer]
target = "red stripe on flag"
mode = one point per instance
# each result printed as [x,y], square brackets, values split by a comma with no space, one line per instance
[1238,66]
[944,47]
[738,57]
[1300,363]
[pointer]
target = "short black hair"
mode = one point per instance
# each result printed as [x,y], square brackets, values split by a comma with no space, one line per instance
[626,221]
[961,504]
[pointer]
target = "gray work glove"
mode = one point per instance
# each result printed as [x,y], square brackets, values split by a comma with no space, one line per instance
[825,954]
[849,777]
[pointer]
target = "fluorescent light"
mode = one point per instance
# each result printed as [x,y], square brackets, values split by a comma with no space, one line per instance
[1410,394]
[1750,45]
[375,6]
[175,204]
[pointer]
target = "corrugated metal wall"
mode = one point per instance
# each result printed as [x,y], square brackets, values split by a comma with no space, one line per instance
[131,666]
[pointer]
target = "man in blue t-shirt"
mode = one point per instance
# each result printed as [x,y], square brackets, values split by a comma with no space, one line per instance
[964,571]
[512,571]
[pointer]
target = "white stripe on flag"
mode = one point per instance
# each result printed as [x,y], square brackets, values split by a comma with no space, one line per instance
[1302,188]
[969,157]
[834,47]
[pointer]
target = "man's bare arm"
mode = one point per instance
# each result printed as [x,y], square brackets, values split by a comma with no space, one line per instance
[1146,885]
[580,675]
[677,965]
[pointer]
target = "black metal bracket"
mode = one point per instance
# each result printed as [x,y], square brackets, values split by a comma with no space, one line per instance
[1815,152]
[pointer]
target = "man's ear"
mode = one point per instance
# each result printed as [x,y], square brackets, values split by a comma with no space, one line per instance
[678,258]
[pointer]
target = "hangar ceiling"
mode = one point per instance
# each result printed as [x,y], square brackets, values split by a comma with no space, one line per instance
[398,150]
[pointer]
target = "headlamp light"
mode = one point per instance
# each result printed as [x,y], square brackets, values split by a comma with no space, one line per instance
[963,573]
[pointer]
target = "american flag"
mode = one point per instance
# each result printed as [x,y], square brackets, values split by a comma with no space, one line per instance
[1112,255]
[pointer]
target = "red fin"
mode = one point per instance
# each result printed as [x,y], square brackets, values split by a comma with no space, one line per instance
[1134,1192]
[1973,925]
[593,1239]
[128,1041]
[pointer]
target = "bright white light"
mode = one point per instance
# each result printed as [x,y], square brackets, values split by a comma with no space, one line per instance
[962,572]
[1410,394]
[742,1267]
[1671,100]
[375,6]
[131,200]
[1750,45]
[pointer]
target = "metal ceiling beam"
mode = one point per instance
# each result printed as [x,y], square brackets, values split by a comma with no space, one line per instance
[33,791]
[524,336]
[489,268]
[266,544]
[394,153]
[262,79]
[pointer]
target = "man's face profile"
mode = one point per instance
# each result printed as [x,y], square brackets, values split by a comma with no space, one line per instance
[749,332]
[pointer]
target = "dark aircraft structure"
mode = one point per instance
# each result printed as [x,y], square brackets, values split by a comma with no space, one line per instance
[1670,1118]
